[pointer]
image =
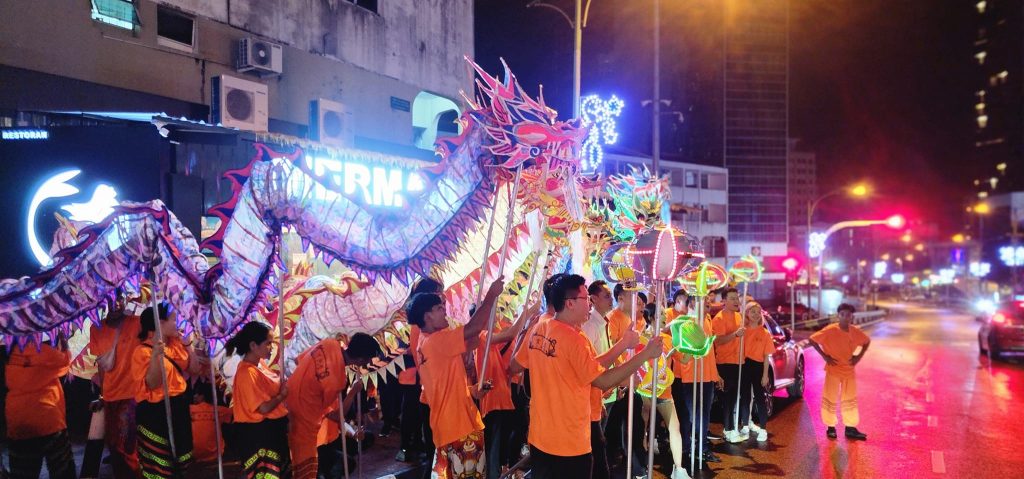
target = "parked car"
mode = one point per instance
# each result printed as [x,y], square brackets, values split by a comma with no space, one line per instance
[786,371]
[1003,330]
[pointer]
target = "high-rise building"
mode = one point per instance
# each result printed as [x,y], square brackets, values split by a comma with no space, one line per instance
[756,89]
[998,96]
[803,189]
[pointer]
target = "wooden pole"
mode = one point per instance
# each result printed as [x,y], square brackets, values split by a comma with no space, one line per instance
[282,251]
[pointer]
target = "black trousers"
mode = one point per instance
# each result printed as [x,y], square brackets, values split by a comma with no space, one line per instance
[415,428]
[497,440]
[598,449]
[27,455]
[752,391]
[615,430]
[728,373]
[548,466]
[390,404]
[682,396]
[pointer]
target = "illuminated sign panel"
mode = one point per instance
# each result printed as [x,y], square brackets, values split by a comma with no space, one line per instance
[382,186]
[99,206]
[25,135]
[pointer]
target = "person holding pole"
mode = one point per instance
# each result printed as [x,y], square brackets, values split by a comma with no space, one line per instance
[757,351]
[624,317]
[314,388]
[563,370]
[728,328]
[261,418]
[163,350]
[454,418]
[842,346]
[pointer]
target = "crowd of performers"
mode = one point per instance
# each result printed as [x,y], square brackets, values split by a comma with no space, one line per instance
[556,399]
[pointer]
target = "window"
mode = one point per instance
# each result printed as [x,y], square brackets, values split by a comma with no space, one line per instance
[174,29]
[982,121]
[981,6]
[980,56]
[716,213]
[704,181]
[691,179]
[119,13]
[716,181]
[677,178]
[370,5]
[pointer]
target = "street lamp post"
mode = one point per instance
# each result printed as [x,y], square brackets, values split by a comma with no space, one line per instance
[577,47]
[895,221]
[858,190]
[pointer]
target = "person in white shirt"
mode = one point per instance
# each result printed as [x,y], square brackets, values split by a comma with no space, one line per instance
[596,327]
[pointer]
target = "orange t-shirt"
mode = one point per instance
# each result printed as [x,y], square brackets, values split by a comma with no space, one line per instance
[684,372]
[840,345]
[758,342]
[453,415]
[204,434]
[118,383]
[500,397]
[329,429]
[35,399]
[318,379]
[619,322]
[721,325]
[562,367]
[254,385]
[175,352]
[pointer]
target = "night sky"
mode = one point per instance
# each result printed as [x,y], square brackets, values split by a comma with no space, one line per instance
[881,90]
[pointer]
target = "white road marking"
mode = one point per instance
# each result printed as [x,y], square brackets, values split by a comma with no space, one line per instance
[938,463]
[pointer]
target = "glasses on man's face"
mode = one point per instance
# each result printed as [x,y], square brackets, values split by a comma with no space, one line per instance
[579,297]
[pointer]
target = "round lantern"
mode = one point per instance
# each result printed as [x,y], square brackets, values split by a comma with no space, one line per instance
[706,278]
[747,269]
[689,337]
[664,253]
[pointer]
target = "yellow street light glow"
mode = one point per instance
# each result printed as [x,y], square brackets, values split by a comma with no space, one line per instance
[958,238]
[885,257]
[859,190]
[906,238]
[982,208]
[909,257]
[919,247]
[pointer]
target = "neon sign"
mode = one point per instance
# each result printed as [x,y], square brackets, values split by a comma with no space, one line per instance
[600,116]
[374,186]
[99,206]
[25,135]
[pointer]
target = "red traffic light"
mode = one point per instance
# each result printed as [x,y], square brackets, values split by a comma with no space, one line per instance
[790,264]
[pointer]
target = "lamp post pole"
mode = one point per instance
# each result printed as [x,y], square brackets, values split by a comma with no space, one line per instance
[577,53]
[824,246]
[656,115]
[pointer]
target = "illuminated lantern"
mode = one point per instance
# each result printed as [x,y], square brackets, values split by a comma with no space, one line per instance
[664,253]
[689,337]
[747,269]
[665,378]
[706,278]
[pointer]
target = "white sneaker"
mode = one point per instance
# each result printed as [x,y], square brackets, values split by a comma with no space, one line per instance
[762,435]
[679,473]
[735,437]
[745,431]
[755,428]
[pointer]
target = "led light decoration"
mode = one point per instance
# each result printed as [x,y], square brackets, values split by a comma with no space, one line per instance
[25,135]
[664,253]
[689,337]
[747,269]
[99,206]
[600,116]
[816,244]
[880,268]
[898,278]
[832,266]
[1012,256]
[980,270]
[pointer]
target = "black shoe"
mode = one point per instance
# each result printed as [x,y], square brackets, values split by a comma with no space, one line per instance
[714,437]
[853,433]
[831,433]
[403,456]
[711,457]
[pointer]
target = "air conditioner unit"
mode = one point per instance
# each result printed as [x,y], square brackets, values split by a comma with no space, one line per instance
[239,103]
[330,123]
[259,56]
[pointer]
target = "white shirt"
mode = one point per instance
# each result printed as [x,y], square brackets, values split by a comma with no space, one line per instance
[596,329]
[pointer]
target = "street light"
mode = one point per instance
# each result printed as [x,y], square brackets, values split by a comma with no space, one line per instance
[894,222]
[577,44]
[858,190]
[791,264]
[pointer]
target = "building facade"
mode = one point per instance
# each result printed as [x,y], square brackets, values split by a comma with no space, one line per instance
[700,200]
[126,91]
[756,87]
[802,170]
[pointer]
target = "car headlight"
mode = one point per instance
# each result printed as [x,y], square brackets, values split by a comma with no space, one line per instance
[986,306]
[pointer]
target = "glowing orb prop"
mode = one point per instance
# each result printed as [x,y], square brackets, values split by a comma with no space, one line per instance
[706,278]
[689,337]
[747,269]
[664,253]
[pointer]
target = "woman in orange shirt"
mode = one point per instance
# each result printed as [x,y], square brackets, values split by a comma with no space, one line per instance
[261,419]
[757,350]
[154,446]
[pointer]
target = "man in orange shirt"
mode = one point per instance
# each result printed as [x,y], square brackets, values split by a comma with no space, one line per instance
[417,440]
[727,325]
[564,369]
[313,388]
[36,424]
[837,344]
[624,317]
[454,418]
[113,344]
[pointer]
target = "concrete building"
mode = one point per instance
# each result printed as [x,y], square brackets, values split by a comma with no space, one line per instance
[375,58]
[700,199]
[125,91]
[802,179]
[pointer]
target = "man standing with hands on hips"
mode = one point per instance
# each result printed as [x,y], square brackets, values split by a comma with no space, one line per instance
[837,344]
